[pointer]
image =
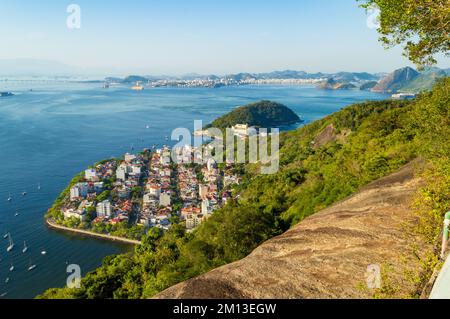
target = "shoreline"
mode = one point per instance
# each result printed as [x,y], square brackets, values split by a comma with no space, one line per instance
[50,224]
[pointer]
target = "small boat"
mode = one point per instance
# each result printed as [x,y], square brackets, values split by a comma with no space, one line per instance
[11,268]
[106,85]
[31,266]
[11,244]
[3,294]
[39,186]
[5,236]
[138,87]
[17,213]
[147,127]
[24,193]
[43,252]
[6,280]
[25,248]
[9,197]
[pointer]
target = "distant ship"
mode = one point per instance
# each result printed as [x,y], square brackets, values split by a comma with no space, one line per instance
[137,87]
[106,85]
[5,94]
[11,244]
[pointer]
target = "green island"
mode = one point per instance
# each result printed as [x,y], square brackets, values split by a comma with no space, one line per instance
[264,114]
[320,164]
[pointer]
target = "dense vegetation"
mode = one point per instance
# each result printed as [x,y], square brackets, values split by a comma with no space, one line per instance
[265,114]
[384,136]
[421,26]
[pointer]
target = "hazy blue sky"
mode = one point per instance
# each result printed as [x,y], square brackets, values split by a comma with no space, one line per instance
[180,36]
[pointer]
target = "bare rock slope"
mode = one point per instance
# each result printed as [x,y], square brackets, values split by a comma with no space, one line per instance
[326,255]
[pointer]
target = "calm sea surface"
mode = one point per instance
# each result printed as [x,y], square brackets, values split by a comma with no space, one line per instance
[55,131]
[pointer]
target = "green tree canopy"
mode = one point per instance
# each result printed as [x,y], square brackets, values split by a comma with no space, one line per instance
[422,26]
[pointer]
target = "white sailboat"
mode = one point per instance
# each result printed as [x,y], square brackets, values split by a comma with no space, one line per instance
[31,267]
[11,243]
[25,248]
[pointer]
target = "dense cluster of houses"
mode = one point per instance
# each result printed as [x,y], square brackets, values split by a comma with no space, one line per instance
[91,200]
[157,199]
[148,186]
[83,195]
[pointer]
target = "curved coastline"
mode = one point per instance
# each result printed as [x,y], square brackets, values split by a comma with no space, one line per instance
[92,234]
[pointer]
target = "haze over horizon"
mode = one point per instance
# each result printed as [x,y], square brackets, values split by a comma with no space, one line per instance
[175,37]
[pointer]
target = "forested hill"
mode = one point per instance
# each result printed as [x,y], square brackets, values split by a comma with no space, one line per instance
[320,164]
[265,114]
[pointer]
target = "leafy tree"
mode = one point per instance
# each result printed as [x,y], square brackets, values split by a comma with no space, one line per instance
[422,26]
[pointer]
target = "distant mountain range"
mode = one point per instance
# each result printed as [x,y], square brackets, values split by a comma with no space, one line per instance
[239,77]
[409,80]
[402,80]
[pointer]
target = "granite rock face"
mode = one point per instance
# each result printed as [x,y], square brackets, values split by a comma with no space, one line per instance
[326,255]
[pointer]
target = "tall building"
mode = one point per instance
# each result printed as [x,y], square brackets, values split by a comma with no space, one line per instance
[121,173]
[104,209]
[78,191]
[164,199]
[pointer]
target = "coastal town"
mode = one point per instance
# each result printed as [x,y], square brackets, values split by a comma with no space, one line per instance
[215,82]
[125,197]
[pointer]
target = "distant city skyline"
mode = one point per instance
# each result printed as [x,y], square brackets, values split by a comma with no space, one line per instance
[177,37]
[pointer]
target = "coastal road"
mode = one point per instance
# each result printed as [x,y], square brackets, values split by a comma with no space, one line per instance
[92,234]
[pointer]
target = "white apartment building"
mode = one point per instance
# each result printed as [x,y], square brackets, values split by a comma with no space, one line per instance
[164,199]
[78,191]
[104,209]
[121,172]
[90,174]
[129,157]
